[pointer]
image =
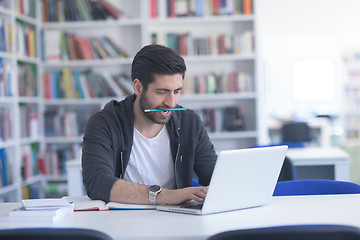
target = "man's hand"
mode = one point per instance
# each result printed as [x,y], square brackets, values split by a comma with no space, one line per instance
[177,196]
[127,192]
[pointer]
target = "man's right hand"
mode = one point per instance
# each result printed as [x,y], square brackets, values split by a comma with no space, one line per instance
[177,196]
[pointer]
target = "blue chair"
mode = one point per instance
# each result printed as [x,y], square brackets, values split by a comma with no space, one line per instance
[53,234]
[303,232]
[295,134]
[195,183]
[315,187]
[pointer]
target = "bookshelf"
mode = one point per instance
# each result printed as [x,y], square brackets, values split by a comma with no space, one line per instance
[218,45]
[79,83]
[351,112]
[20,108]
[63,107]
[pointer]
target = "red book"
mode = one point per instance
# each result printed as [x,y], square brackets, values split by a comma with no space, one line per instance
[42,165]
[21,6]
[182,44]
[215,7]
[116,13]
[153,8]
[171,8]
[247,4]
[222,48]
[71,46]
[47,86]
[46,11]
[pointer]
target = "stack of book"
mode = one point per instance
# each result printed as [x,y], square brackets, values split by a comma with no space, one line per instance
[41,210]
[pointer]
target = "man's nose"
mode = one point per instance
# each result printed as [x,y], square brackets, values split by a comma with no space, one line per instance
[170,100]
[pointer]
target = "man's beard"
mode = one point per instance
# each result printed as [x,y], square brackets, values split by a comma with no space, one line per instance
[152,116]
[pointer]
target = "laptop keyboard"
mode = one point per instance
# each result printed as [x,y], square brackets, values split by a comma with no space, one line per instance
[192,205]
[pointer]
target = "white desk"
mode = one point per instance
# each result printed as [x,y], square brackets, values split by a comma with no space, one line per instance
[311,157]
[152,224]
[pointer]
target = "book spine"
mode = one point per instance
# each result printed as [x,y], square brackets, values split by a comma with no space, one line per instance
[114,12]
[5,174]
[27,80]
[235,82]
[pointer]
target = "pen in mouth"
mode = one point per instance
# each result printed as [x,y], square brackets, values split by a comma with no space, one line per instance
[164,110]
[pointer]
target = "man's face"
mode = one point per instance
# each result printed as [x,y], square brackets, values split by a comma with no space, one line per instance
[163,93]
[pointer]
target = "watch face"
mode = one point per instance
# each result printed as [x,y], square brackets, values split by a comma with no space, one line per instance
[154,188]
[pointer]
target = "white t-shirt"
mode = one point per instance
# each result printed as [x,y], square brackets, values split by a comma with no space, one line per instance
[150,160]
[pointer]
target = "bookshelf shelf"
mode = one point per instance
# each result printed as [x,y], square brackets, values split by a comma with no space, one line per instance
[223,57]
[56,178]
[233,135]
[27,19]
[8,144]
[203,20]
[217,97]
[57,140]
[87,63]
[8,189]
[29,140]
[30,99]
[28,59]
[5,12]
[33,180]
[6,55]
[6,100]
[86,101]
[92,24]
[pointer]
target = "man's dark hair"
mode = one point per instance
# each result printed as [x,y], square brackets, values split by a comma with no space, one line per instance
[156,59]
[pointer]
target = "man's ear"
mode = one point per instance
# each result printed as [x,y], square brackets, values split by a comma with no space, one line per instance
[138,87]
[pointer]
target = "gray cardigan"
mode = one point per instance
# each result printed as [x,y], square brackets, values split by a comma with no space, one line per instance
[108,140]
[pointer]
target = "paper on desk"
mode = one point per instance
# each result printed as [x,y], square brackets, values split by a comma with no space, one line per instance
[44,203]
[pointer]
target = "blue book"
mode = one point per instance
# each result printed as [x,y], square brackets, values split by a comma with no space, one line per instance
[199,8]
[78,86]
[3,167]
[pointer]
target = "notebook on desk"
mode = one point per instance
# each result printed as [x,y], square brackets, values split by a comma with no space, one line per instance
[242,178]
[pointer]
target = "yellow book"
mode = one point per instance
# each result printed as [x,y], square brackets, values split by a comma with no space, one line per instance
[69,89]
[31,39]
[11,38]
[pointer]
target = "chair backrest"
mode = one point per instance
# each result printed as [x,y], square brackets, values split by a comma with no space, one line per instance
[296,132]
[309,232]
[52,234]
[288,171]
[315,187]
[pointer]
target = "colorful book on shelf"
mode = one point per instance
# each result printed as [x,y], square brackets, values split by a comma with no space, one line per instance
[84,203]
[116,13]
[3,168]
[247,7]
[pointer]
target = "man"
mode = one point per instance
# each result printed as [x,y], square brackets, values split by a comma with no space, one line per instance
[139,157]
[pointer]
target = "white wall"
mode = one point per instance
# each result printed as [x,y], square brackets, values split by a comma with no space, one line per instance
[291,29]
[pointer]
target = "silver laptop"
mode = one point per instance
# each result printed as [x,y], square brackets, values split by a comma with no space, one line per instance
[242,178]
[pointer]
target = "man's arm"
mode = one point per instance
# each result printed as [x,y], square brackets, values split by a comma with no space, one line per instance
[128,192]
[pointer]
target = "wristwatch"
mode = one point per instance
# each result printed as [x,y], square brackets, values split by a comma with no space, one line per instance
[153,191]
